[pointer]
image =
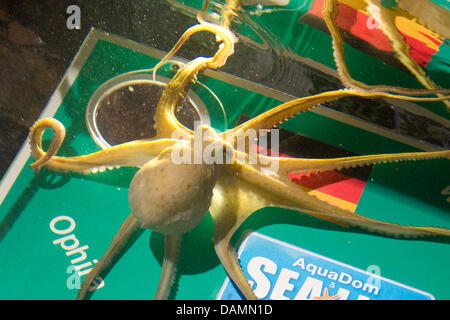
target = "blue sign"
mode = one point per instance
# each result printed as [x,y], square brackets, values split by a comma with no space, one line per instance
[280,271]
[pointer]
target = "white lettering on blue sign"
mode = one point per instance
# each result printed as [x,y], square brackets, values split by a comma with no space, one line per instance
[280,271]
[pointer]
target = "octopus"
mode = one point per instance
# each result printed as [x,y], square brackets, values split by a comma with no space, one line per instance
[228,181]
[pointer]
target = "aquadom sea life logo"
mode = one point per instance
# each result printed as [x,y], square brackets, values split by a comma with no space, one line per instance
[280,271]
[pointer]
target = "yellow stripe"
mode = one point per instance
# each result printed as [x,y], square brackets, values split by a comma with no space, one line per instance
[333,200]
[417,31]
[343,204]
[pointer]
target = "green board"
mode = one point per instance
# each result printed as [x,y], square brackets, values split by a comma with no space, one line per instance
[51,222]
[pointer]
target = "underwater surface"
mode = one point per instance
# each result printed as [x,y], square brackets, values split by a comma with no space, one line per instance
[285,49]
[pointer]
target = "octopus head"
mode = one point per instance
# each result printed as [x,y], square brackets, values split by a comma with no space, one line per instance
[169,197]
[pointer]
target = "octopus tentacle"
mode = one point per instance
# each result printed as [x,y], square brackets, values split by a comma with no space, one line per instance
[172,244]
[165,121]
[291,197]
[400,47]
[220,58]
[235,199]
[202,11]
[35,138]
[229,11]
[227,256]
[231,204]
[330,10]
[128,233]
[285,111]
[131,154]
[292,165]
